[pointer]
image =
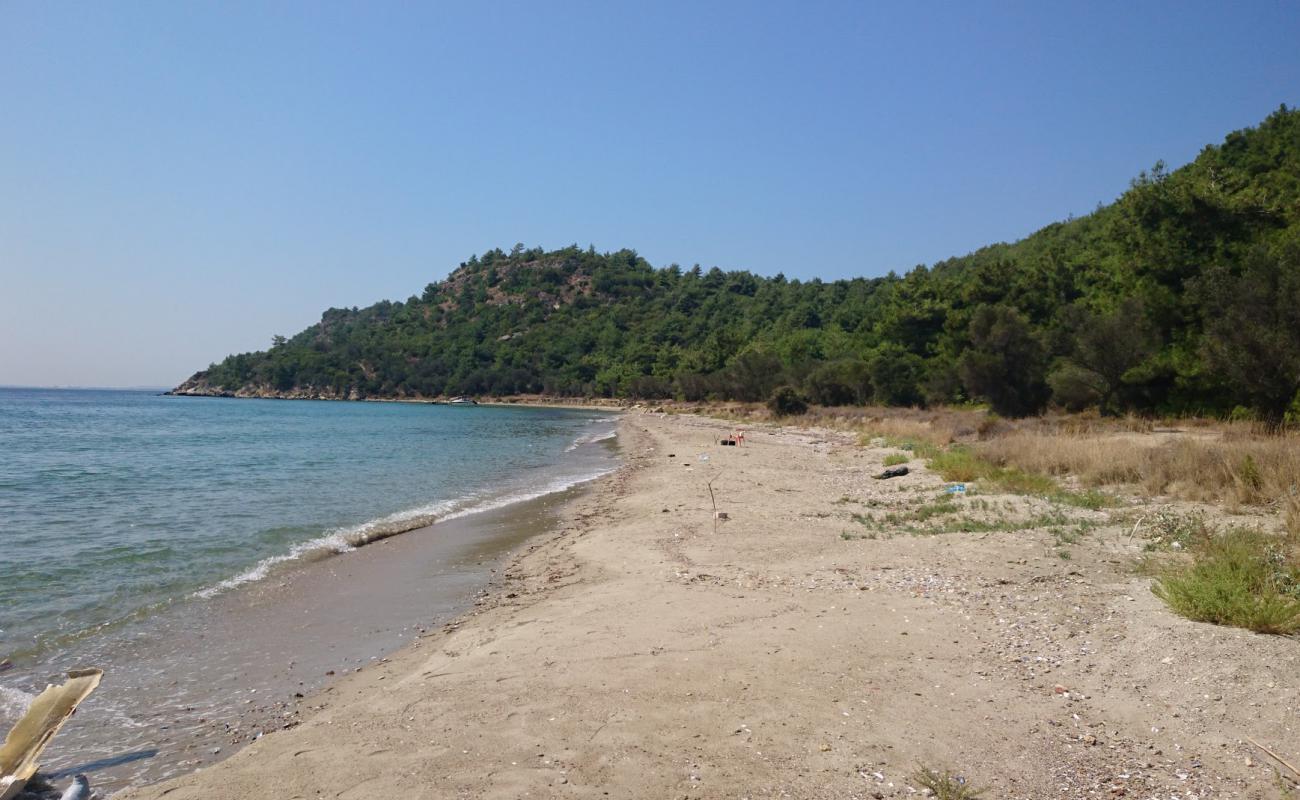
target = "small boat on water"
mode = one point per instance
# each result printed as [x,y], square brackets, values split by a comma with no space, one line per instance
[462,401]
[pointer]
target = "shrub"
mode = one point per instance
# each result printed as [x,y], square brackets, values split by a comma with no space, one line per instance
[787,402]
[751,375]
[895,374]
[1073,388]
[1005,362]
[1252,331]
[1170,529]
[894,459]
[1243,578]
[1105,354]
[839,383]
[945,785]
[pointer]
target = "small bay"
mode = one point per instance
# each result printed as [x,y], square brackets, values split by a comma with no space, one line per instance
[132,523]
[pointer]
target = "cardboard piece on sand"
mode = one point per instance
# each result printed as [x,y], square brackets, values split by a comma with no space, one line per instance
[43,719]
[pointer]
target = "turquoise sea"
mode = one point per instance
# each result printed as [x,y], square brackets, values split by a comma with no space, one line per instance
[114,502]
[125,516]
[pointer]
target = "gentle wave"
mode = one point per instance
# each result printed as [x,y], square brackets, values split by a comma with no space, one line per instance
[591,438]
[344,540]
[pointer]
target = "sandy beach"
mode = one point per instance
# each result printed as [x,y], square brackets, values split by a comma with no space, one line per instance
[645,649]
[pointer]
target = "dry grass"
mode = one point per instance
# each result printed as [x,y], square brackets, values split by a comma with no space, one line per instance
[938,426]
[1227,468]
[958,463]
[1241,577]
[1231,463]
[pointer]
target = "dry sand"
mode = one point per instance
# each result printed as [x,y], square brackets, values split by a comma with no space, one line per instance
[636,652]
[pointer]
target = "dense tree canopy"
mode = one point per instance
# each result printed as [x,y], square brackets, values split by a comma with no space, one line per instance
[1179,297]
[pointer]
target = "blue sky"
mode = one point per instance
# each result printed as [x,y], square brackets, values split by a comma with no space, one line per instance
[179,181]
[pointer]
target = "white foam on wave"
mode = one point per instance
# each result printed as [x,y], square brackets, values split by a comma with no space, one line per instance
[343,540]
[14,702]
[590,438]
[555,486]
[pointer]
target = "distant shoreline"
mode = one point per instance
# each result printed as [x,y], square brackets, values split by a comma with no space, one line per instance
[540,401]
[69,388]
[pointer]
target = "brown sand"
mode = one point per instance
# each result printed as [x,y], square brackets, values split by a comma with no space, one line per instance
[636,652]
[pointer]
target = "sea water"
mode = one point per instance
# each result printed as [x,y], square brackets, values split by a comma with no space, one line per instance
[121,508]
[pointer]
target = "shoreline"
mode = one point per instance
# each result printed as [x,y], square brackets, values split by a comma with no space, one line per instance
[228,669]
[511,401]
[641,648]
[198,679]
[349,539]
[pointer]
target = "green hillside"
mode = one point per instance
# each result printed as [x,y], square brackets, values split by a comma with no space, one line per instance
[1182,296]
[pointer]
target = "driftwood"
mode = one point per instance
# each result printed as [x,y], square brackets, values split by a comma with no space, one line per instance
[1277,758]
[1136,525]
[43,719]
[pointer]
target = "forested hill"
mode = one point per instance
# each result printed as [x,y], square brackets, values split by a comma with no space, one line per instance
[1181,296]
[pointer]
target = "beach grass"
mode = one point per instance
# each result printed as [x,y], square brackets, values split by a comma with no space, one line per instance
[1244,578]
[964,465]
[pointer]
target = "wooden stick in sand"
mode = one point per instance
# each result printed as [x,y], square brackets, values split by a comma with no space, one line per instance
[714,500]
[1276,757]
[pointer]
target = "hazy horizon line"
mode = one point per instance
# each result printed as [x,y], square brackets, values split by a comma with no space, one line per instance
[78,387]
